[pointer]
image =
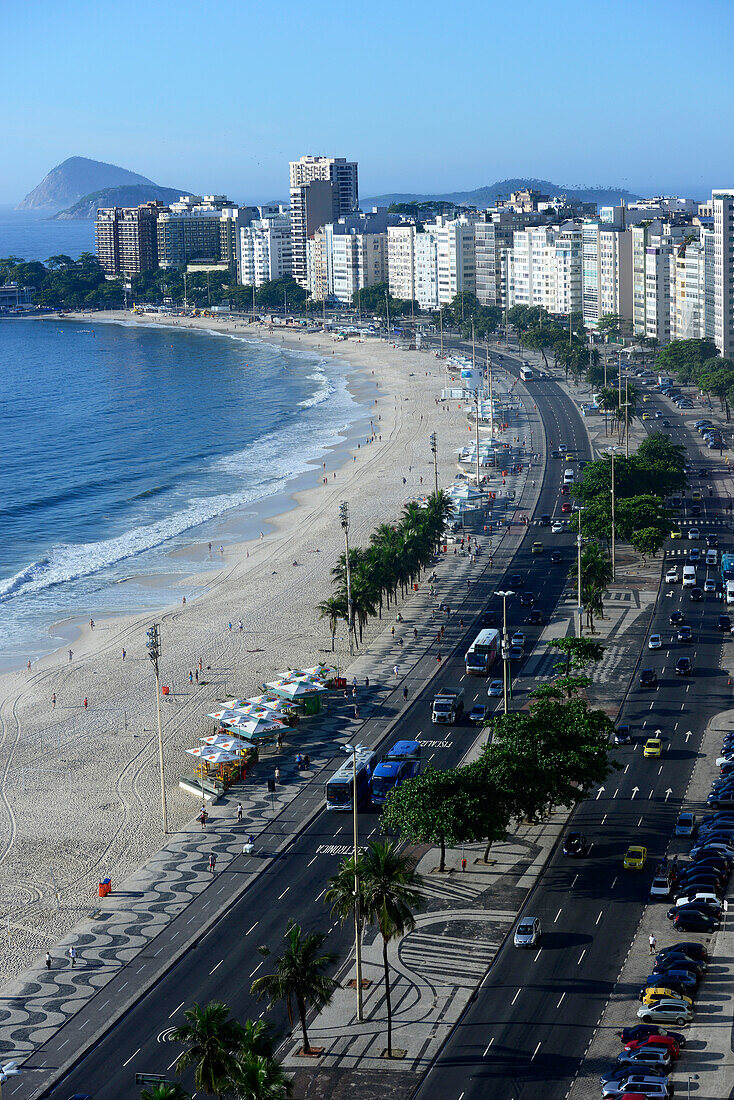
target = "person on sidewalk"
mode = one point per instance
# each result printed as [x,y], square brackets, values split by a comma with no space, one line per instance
[212,862]
[72,955]
[653,943]
[48,960]
[405,693]
[277,775]
[239,811]
[203,818]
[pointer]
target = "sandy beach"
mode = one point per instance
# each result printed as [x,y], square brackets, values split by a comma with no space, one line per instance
[79,788]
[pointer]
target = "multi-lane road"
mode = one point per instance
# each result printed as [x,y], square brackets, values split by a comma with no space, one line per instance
[534,1015]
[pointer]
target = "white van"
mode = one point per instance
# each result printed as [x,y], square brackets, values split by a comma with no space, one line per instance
[730,591]
[568,476]
[689,576]
[712,557]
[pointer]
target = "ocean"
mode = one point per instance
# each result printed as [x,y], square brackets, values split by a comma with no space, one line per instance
[30,235]
[122,443]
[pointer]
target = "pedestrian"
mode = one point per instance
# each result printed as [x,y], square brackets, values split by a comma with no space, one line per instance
[201,665]
[91,624]
[124,654]
[230,627]
[183,601]
[653,943]
[53,700]
[415,632]
[438,658]
[277,775]
[240,624]
[306,761]
[356,711]
[210,548]
[29,664]
[48,960]
[72,955]
[71,654]
[366,681]
[86,702]
[191,677]
[392,631]
[202,818]
[405,693]
[280,742]
[212,862]
[354,693]
[196,675]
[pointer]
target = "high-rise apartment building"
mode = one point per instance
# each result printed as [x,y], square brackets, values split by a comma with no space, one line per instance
[723,255]
[322,190]
[348,255]
[544,268]
[265,251]
[191,229]
[401,261]
[126,238]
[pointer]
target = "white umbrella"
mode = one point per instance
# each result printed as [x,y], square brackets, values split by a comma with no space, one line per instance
[219,742]
[253,727]
[296,689]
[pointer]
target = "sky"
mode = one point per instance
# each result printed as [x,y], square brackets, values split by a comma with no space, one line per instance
[219,96]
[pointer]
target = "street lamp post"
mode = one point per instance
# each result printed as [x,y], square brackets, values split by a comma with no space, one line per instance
[344,518]
[691,1077]
[353,750]
[434,450]
[505,645]
[612,451]
[153,646]
[579,541]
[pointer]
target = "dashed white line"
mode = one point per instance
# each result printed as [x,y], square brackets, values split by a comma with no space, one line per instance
[515,997]
[176,1009]
[561,1000]
[247,933]
[601,914]
[489,1044]
[257,967]
[581,956]
[131,1058]
[312,861]
[216,967]
[538,955]
[535,1052]
[557,915]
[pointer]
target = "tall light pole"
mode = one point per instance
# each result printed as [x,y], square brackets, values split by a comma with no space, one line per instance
[387,315]
[440,322]
[612,451]
[626,420]
[491,399]
[579,541]
[476,430]
[153,646]
[434,450]
[353,750]
[344,519]
[505,644]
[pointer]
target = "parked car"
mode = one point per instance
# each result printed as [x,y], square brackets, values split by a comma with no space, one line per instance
[668,1011]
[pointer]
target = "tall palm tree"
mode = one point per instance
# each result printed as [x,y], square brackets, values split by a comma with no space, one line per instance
[165,1091]
[333,608]
[260,1078]
[299,975]
[390,895]
[212,1039]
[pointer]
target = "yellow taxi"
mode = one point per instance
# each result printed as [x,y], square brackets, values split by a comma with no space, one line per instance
[696,495]
[676,533]
[647,416]
[635,858]
[537,548]
[570,457]
[656,993]
[653,747]
[646,397]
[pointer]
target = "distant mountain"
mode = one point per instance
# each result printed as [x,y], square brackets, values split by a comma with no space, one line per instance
[134,195]
[68,182]
[484,197]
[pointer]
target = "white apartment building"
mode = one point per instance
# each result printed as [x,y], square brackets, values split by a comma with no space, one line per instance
[426,269]
[265,250]
[401,261]
[322,190]
[723,250]
[544,268]
[454,256]
[607,271]
[348,255]
[654,245]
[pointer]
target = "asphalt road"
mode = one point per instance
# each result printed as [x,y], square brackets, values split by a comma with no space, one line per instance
[526,1033]
[225,961]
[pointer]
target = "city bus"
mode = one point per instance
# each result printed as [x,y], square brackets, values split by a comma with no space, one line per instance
[482,653]
[402,762]
[526,373]
[339,787]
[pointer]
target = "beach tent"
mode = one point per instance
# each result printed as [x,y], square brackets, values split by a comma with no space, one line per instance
[229,744]
[214,755]
[305,695]
[256,729]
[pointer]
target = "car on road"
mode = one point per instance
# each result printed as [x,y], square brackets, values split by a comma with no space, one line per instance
[712,540]
[686,824]
[655,642]
[489,618]
[527,933]
[495,688]
[537,548]
[695,594]
[648,678]
[694,554]
[685,633]
[478,713]
[557,527]
[535,618]
[676,618]
[556,557]
[676,533]
[544,520]
[653,747]
[518,638]
[527,599]
[709,587]
[647,416]
[576,845]
[672,576]
[693,533]
[515,653]
[634,858]
[724,623]
[671,1010]
[622,734]
[683,666]
[515,581]
[695,509]
[566,507]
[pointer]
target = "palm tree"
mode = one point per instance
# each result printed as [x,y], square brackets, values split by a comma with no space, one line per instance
[212,1039]
[333,608]
[596,573]
[389,887]
[299,976]
[259,1077]
[165,1091]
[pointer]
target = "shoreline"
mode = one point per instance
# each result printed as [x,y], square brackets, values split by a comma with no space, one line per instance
[80,787]
[235,525]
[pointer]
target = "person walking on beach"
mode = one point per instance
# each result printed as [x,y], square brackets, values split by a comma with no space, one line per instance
[71,654]
[48,960]
[191,677]
[91,624]
[72,955]
[196,675]
[124,654]
[212,862]
[53,700]
[86,702]
[240,625]
[239,811]
[29,664]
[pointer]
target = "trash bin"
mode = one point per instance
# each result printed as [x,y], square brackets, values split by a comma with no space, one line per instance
[165,690]
[107,886]
[102,890]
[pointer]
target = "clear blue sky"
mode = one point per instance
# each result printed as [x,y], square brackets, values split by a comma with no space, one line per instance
[427,96]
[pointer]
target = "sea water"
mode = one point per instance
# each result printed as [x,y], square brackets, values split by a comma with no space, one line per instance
[122,443]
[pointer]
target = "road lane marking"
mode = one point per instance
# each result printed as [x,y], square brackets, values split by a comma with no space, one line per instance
[538,955]
[581,957]
[558,914]
[247,933]
[131,1058]
[515,997]
[561,1000]
[173,1063]
[489,1044]
[535,1052]
[601,914]
[258,967]
[312,861]
[216,967]
[574,880]
[604,819]
[176,1010]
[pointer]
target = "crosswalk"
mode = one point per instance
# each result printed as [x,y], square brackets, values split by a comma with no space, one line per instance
[450,960]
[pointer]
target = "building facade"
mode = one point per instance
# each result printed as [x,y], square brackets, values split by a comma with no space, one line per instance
[723,256]
[544,268]
[322,190]
[265,251]
[127,238]
[190,229]
[348,255]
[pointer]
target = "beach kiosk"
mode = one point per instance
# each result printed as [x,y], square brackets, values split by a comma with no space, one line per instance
[306,696]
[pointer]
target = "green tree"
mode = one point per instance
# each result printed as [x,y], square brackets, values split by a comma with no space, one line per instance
[685,358]
[333,608]
[166,1090]
[608,324]
[432,808]
[299,976]
[390,897]
[648,541]
[577,653]
[259,1077]
[211,1038]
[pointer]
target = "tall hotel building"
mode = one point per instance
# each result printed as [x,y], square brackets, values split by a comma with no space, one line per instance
[323,189]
